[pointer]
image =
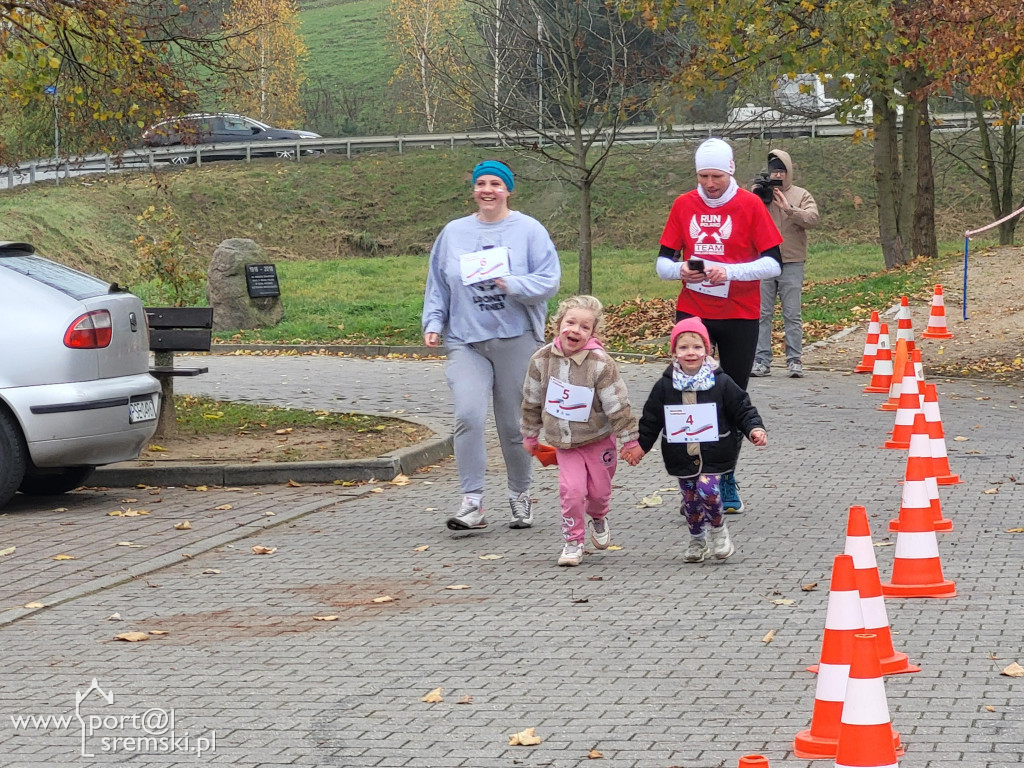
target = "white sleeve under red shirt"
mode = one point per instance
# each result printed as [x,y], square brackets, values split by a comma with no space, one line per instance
[735,233]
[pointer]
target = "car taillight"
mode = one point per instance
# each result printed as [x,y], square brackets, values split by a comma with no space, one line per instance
[90,331]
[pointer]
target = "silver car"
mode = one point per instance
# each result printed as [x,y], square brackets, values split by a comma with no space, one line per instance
[75,391]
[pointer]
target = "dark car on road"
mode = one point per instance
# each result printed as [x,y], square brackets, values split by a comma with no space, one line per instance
[221,128]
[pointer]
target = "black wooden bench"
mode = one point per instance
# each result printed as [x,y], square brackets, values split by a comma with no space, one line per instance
[176,329]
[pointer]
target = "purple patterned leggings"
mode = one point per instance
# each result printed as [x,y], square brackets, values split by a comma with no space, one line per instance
[702,502]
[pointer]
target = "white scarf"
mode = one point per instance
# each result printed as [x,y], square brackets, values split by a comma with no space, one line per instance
[728,195]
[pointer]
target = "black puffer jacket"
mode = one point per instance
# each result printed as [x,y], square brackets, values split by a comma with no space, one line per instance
[735,412]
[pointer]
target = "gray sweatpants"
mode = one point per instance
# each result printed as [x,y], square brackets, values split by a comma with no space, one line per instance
[478,373]
[789,288]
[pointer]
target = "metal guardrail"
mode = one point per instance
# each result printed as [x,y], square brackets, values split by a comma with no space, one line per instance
[152,157]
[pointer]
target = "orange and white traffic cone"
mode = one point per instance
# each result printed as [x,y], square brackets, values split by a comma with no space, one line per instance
[753,761]
[920,468]
[881,373]
[940,460]
[867,360]
[916,567]
[909,406]
[904,325]
[869,585]
[842,621]
[899,367]
[865,732]
[937,318]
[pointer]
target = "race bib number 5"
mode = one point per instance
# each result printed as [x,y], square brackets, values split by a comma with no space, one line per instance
[567,401]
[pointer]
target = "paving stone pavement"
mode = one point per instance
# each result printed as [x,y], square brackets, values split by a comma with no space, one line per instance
[653,662]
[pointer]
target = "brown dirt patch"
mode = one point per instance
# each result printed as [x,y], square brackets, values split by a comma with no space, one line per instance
[301,444]
[989,344]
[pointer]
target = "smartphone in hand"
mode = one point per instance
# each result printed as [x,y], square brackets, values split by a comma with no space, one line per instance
[695,265]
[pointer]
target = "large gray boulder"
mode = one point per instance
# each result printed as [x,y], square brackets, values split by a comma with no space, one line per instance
[226,291]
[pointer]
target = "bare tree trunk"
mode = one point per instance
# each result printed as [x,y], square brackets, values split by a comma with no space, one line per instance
[1009,135]
[924,239]
[887,183]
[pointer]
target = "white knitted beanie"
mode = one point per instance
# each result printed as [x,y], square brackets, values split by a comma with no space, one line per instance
[715,154]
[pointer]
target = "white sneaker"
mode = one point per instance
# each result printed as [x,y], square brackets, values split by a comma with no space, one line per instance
[522,511]
[761,369]
[600,533]
[469,516]
[572,553]
[696,551]
[721,544]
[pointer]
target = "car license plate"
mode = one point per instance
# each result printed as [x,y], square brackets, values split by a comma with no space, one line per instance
[141,410]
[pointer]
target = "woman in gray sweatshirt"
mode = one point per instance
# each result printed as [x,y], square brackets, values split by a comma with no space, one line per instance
[488,284]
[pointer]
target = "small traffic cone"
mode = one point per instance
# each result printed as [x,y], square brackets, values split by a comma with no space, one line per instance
[916,568]
[881,373]
[867,361]
[869,585]
[909,406]
[865,732]
[940,460]
[899,367]
[937,318]
[904,325]
[842,621]
[920,467]
[753,761]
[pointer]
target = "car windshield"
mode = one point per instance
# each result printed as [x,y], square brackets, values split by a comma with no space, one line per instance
[77,285]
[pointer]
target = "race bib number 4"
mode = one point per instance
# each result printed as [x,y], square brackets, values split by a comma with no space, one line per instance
[697,423]
[567,401]
[488,264]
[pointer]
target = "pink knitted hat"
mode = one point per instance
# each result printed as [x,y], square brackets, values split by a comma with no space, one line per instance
[690,325]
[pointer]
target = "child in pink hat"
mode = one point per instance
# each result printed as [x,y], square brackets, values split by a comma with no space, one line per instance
[697,409]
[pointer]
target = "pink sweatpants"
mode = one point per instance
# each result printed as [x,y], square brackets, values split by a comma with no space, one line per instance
[585,484]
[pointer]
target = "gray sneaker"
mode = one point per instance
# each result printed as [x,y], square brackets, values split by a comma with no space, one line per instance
[470,516]
[572,553]
[600,533]
[721,544]
[796,371]
[760,369]
[696,551]
[522,511]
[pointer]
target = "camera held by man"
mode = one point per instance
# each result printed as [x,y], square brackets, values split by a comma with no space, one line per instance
[764,186]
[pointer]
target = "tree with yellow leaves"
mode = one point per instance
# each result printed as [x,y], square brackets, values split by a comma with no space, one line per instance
[421,31]
[266,54]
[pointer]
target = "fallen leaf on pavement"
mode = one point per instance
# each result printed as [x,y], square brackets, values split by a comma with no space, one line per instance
[325,618]
[400,480]
[64,557]
[211,571]
[990,491]
[458,586]
[524,739]
[259,550]
[293,484]
[222,507]
[465,700]
[990,708]
[35,605]
[156,448]
[783,601]
[201,488]
[654,500]
[284,431]
[769,637]
[613,547]
[491,557]
[184,525]
[594,755]
[1008,530]
[1014,670]
[883,544]
[810,587]
[961,439]
[158,632]
[423,548]
[114,617]
[383,599]
[8,551]
[132,637]
[434,697]
[377,490]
